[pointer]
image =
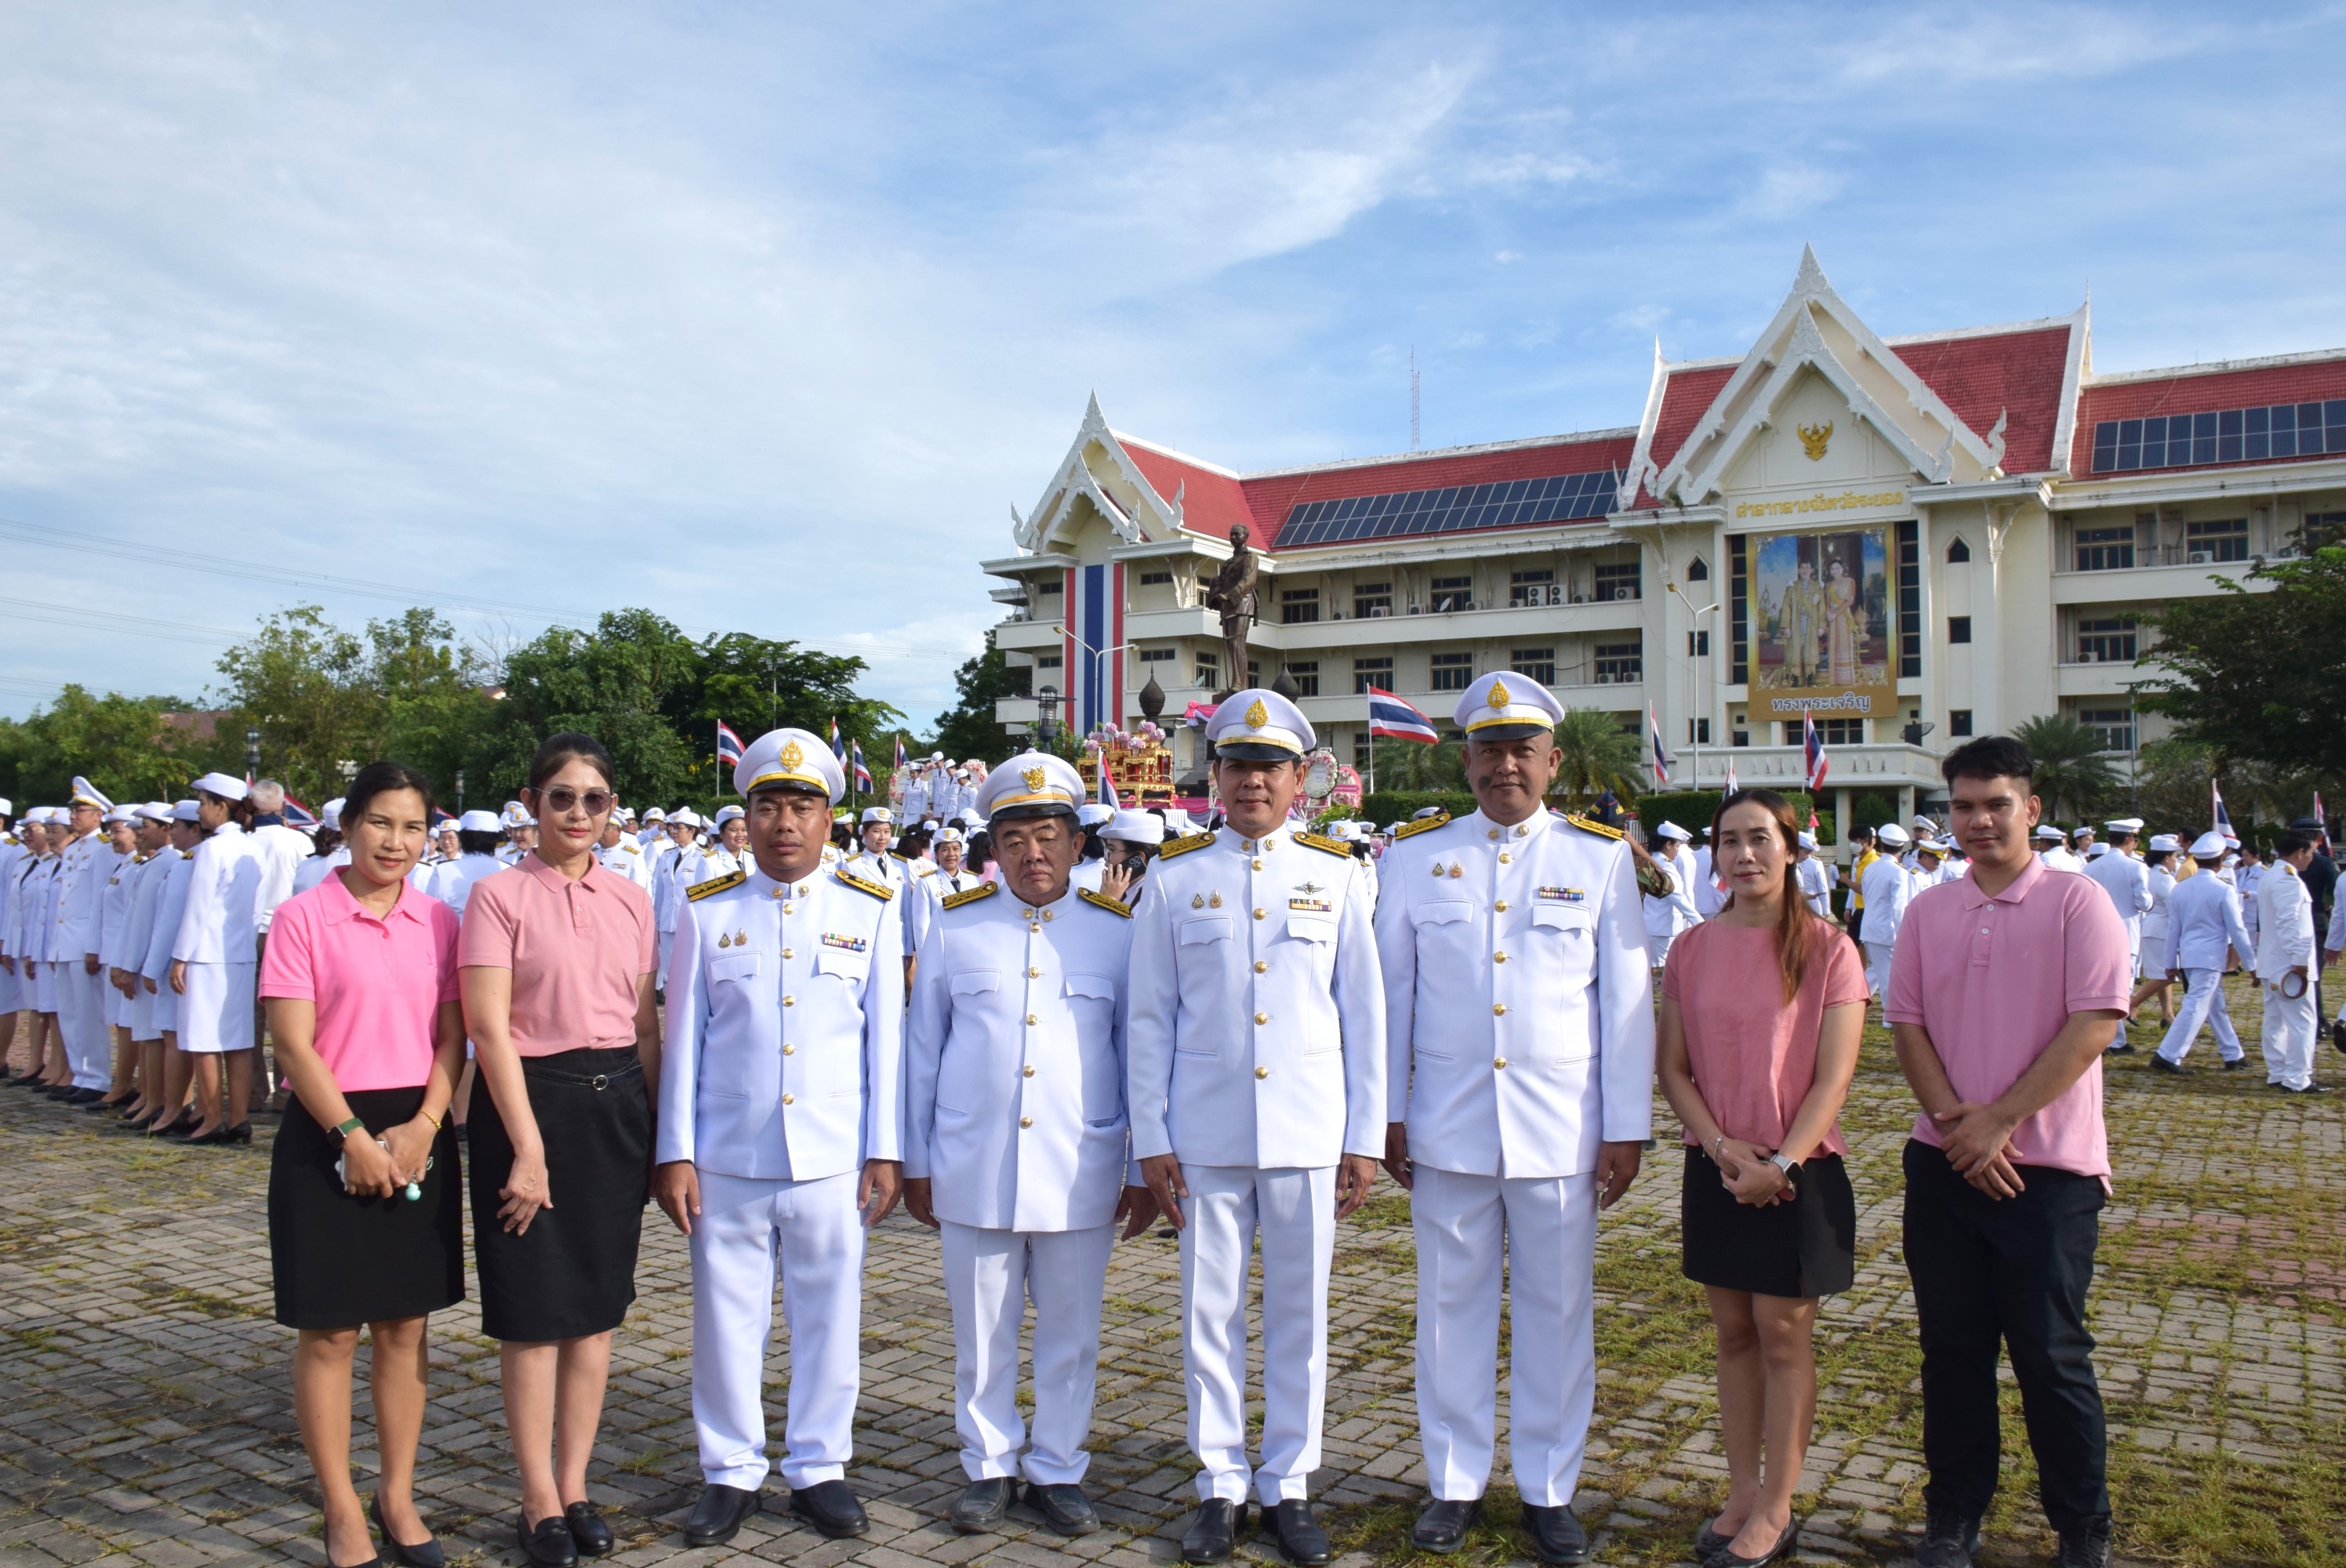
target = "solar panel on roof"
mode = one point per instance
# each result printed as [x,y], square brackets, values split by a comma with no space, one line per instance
[2224,435]
[1502,503]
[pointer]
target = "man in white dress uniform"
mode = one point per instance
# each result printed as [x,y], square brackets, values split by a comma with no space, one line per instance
[1258,1103]
[2285,964]
[1519,1086]
[2203,920]
[83,864]
[781,1114]
[1018,1148]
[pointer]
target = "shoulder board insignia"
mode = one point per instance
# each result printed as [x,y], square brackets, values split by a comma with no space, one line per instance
[1183,845]
[1101,900]
[983,890]
[699,891]
[879,890]
[1325,844]
[1425,825]
[631,848]
[899,855]
[1591,825]
[923,868]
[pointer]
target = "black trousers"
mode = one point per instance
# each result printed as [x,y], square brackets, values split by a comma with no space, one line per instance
[2010,1273]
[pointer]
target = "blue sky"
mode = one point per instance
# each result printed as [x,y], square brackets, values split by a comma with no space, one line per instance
[765,318]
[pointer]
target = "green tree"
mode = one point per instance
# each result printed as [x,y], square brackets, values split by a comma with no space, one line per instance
[434,710]
[311,689]
[119,743]
[615,684]
[2073,778]
[1594,754]
[968,729]
[756,684]
[1414,766]
[2259,676]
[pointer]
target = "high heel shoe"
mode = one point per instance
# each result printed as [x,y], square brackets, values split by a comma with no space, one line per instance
[424,1555]
[239,1133]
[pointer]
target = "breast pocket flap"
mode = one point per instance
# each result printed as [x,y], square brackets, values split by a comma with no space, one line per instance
[1443,911]
[1311,927]
[735,967]
[1213,929]
[846,965]
[1096,985]
[1563,917]
[970,981]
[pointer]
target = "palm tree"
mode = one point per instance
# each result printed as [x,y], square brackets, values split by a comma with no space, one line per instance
[1594,754]
[2071,770]
[1414,765]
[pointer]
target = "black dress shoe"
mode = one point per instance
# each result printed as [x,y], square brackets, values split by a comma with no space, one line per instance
[2237,1064]
[1299,1532]
[86,1097]
[981,1504]
[1213,1534]
[549,1545]
[2338,1033]
[2125,1047]
[239,1133]
[587,1531]
[425,1555]
[721,1510]
[1444,1526]
[2087,1546]
[831,1508]
[1558,1535]
[1784,1548]
[2161,1064]
[1064,1507]
[1708,1543]
[2308,1089]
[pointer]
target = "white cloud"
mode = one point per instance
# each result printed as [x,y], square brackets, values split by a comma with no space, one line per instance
[1786,190]
[1506,258]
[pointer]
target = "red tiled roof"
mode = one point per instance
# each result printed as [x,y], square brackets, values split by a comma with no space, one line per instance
[2016,373]
[2186,391]
[1213,500]
[1686,396]
[1272,496]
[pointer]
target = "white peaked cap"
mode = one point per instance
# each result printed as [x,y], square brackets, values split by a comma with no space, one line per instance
[227,786]
[2208,846]
[1672,830]
[1891,833]
[1134,828]
[185,810]
[478,822]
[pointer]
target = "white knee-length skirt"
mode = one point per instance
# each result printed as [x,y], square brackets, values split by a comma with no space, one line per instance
[140,1010]
[215,1010]
[45,987]
[165,1004]
[12,990]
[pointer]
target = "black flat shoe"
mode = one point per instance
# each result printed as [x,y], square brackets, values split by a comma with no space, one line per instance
[831,1508]
[1444,1526]
[426,1554]
[2161,1064]
[587,1531]
[982,1505]
[1064,1507]
[1558,1534]
[1708,1543]
[2237,1064]
[239,1133]
[1784,1548]
[549,1545]
[178,1126]
[1212,1536]
[721,1510]
[1298,1531]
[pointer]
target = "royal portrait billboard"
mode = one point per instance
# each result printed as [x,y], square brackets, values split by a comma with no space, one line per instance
[1820,619]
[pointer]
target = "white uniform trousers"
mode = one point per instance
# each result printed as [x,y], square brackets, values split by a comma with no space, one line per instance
[81,1019]
[990,1276]
[2202,1003]
[814,1230]
[1877,966]
[2290,1024]
[1549,1227]
[1296,1212]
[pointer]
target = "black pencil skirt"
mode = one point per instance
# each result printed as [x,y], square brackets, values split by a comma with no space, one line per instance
[1804,1247]
[339,1261]
[572,1272]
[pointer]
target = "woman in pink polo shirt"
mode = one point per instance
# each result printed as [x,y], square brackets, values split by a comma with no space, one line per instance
[365,1211]
[1761,1009]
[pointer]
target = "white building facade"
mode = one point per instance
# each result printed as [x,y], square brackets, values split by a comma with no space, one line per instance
[1960,530]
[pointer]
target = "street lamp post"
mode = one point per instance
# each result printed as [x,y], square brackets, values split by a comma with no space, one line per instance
[1694,719]
[1049,697]
[251,755]
[1098,666]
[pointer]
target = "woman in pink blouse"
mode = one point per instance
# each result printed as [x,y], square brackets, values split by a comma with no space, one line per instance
[1761,1009]
[558,955]
[365,1217]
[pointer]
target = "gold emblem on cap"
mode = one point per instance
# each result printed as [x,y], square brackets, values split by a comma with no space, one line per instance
[1034,778]
[1256,714]
[1498,694]
[792,755]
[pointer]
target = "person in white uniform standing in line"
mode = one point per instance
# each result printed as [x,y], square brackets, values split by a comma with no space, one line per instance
[1815,879]
[78,895]
[1519,1091]
[780,1125]
[2285,964]
[214,960]
[1258,1103]
[1017,1147]
[1668,913]
[2203,927]
[1889,887]
[2122,874]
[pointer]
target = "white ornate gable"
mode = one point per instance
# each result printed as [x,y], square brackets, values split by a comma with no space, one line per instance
[1097,476]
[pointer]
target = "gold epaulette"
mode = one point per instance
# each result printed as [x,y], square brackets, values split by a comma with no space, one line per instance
[879,890]
[1325,844]
[1097,899]
[970,895]
[1591,825]
[699,891]
[1184,844]
[899,855]
[1423,825]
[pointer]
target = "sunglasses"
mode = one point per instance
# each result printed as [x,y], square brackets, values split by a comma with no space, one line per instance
[562,797]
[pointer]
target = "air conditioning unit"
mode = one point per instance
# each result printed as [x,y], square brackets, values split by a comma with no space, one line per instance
[1417,609]
[1621,595]
[1580,598]
[2200,558]
[1378,612]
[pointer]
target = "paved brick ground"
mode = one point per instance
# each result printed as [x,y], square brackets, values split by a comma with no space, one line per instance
[144,1413]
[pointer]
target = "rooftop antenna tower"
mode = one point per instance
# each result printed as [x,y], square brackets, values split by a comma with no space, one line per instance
[1413,398]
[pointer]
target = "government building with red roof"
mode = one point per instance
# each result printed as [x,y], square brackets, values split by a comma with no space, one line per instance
[1960,530]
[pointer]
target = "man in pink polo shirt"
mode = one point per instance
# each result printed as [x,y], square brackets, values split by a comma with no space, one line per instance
[2004,989]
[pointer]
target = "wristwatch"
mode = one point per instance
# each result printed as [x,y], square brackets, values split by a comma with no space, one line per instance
[342,1133]
[1790,1168]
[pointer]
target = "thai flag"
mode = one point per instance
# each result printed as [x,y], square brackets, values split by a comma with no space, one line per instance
[898,767]
[862,774]
[2223,818]
[1731,785]
[2323,818]
[1107,795]
[838,743]
[1390,718]
[729,745]
[1661,752]
[1813,746]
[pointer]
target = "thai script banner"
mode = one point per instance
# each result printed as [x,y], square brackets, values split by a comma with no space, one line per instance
[1846,500]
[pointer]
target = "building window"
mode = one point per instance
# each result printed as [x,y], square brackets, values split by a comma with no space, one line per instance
[1360,744]
[1739,624]
[1697,570]
[1159,655]
[2222,540]
[1738,738]
[1047,661]
[1452,671]
[1957,551]
[1699,644]
[2109,639]
[1959,721]
[1698,731]
[1538,663]
[2104,549]
[1368,672]
[1299,606]
[1254,673]
[1453,594]
[1532,588]
[1209,670]
[1049,585]
[1622,580]
[1620,663]
[1306,677]
[2114,726]
[2321,528]
[1959,628]
[1371,599]
[1834,731]
[1909,600]
[1155,579]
